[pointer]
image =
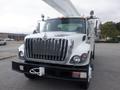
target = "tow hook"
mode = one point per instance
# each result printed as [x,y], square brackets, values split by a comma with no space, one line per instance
[38,71]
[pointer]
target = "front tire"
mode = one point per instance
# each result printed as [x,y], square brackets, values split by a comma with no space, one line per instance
[30,76]
[85,85]
[93,53]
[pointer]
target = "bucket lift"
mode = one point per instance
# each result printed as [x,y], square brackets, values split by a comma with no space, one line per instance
[65,7]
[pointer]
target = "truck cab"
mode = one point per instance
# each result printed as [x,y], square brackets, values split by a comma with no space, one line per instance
[64,49]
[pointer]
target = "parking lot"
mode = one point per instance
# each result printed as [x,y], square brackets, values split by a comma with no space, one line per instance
[9,50]
[106,75]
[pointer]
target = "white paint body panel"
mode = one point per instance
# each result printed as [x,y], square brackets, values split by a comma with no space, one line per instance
[76,39]
[79,46]
[21,48]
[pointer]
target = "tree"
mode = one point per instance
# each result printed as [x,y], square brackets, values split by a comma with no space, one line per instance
[109,29]
[118,26]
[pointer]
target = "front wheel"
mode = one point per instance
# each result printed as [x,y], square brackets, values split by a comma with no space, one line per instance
[85,85]
[93,53]
[30,76]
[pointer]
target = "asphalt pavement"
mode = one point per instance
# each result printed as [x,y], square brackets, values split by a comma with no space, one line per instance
[106,74]
[10,49]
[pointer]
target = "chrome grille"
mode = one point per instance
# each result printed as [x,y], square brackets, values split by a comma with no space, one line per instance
[50,49]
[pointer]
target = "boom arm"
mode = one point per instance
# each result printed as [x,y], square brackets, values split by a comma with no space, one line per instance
[65,7]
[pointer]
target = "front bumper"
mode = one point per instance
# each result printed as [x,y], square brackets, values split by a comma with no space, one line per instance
[52,70]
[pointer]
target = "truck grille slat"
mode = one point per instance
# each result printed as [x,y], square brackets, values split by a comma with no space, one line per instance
[50,49]
[26,48]
[60,49]
[56,49]
[30,44]
[63,48]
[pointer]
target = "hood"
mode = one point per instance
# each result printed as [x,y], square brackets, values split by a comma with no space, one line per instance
[70,36]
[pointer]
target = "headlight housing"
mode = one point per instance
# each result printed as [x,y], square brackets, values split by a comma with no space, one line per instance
[79,59]
[21,55]
[75,59]
[84,57]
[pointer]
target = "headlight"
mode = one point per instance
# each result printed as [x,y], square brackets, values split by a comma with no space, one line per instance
[21,55]
[79,59]
[84,57]
[75,59]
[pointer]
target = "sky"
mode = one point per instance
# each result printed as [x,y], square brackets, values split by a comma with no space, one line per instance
[21,16]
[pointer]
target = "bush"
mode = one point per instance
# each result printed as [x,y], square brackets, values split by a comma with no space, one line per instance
[113,40]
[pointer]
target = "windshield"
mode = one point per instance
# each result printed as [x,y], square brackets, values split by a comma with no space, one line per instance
[66,25]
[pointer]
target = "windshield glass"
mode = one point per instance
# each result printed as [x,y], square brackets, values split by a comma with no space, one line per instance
[66,25]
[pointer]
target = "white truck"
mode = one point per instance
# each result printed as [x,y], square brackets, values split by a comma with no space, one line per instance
[63,49]
[2,41]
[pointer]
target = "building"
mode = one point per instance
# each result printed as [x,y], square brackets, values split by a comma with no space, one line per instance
[14,36]
[3,35]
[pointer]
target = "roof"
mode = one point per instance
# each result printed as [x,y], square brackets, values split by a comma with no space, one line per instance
[84,18]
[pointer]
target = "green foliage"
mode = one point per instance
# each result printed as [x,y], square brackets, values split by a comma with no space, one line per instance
[118,26]
[110,29]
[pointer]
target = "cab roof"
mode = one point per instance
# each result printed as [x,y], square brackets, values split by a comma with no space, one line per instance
[68,18]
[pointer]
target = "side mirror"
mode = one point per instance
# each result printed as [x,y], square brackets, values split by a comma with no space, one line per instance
[96,27]
[35,31]
[96,31]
